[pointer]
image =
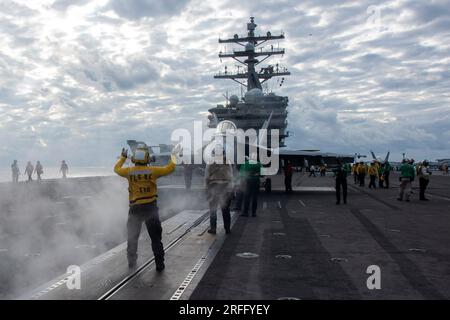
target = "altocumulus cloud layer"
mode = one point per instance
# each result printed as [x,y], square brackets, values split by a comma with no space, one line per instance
[79,77]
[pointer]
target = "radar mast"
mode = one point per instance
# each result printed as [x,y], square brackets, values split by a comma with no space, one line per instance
[248,57]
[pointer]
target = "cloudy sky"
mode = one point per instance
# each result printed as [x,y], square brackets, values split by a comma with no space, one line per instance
[78,78]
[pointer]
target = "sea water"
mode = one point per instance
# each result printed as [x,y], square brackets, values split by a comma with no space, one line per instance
[55,173]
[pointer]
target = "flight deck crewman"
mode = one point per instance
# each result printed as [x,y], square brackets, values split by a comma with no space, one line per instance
[15,171]
[362,170]
[355,172]
[407,174]
[373,174]
[386,173]
[341,173]
[142,196]
[29,171]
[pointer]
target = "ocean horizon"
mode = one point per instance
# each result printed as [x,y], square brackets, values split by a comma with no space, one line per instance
[54,173]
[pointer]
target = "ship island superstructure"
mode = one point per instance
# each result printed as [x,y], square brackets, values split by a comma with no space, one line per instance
[256,106]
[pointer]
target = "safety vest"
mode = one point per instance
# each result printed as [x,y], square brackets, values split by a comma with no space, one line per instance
[142,186]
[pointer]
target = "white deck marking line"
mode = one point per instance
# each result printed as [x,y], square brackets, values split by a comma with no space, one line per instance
[188,279]
[439,197]
[279,204]
[210,254]
[85,267]
[89,265]
[151,261]
[302,203]
[204,230]
[176,228]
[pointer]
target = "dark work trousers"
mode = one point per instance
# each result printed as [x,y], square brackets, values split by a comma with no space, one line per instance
[240,195]
[188,182]
[147,213]
[288,182]
[386,180]
[372,181]
[362,179]
[251,195]
[188,178]
[380,182]
[341,182]
[355,177]
[218,195]
[423,183]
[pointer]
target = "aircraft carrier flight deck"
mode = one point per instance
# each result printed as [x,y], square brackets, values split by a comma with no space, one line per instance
[301,245]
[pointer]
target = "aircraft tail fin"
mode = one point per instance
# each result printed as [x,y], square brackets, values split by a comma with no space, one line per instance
[373,155]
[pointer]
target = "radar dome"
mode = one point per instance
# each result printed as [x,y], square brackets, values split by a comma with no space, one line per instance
[249,47]
[253,95]
[225,126]
[234,100]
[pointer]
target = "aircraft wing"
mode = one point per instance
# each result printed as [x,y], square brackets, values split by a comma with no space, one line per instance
[298,157]
[158,158]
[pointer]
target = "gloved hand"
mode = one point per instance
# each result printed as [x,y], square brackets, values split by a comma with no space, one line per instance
[124,153]
[177,150]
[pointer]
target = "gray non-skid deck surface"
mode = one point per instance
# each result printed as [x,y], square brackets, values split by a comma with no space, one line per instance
[373,229]
[330,247]
[194,252]
[104,272]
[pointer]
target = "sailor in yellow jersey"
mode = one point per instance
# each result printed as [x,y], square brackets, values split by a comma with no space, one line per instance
[142,196]
[373,174]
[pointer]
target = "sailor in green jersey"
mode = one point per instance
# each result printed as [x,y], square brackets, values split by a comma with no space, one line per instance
[406,177]
[251,172]
[387,168]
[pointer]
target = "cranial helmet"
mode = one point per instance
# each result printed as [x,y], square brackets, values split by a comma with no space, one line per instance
[141,154]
